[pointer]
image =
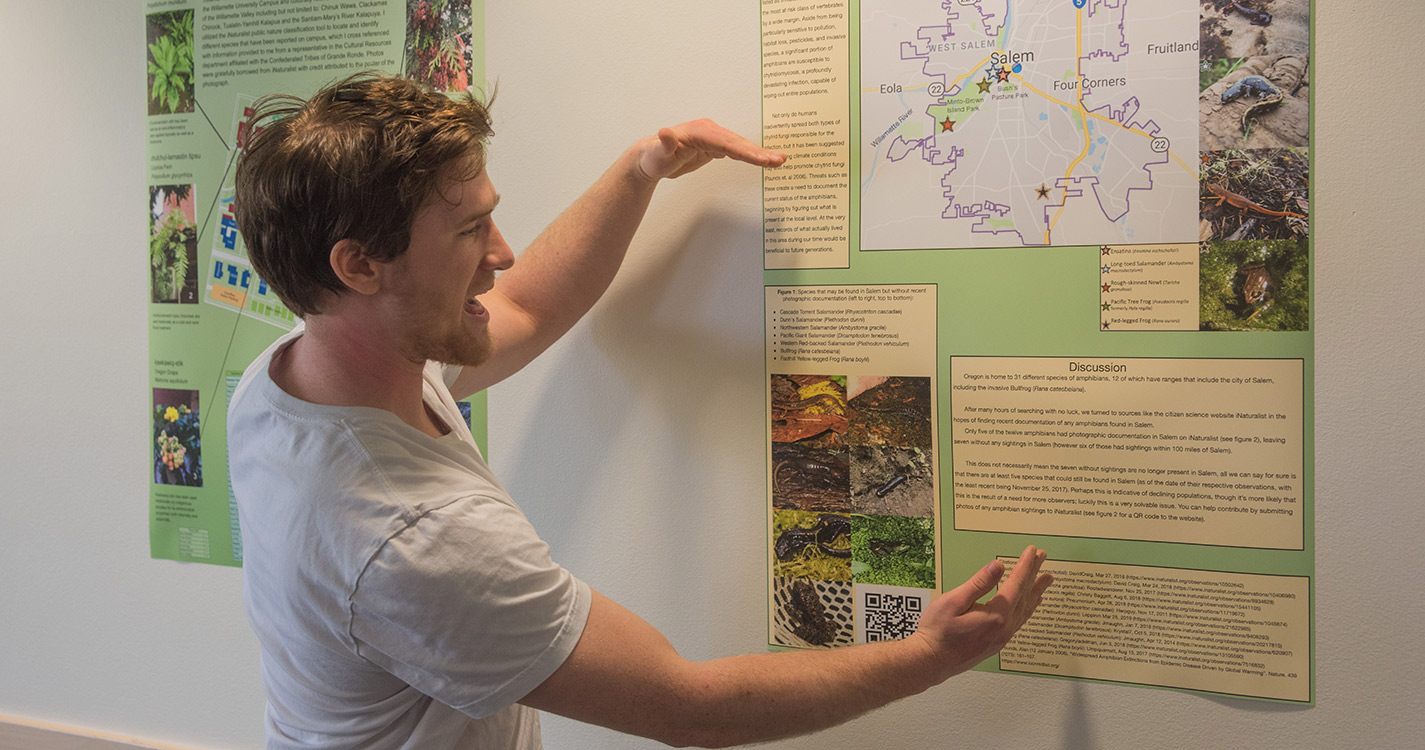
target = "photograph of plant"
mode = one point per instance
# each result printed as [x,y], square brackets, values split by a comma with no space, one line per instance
[172,244]
[170,62]
[177,446]
[438,43]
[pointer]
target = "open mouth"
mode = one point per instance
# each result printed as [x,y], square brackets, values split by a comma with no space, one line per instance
[475,308]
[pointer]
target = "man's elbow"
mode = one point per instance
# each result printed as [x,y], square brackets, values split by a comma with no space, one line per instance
[692,735]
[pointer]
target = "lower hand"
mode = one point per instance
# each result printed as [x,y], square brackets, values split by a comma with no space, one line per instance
[961,632]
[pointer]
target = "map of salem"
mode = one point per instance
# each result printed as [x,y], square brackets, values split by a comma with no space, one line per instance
[1007,123]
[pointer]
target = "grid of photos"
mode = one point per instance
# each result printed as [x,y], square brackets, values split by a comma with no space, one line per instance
[1254,113]
[853,494]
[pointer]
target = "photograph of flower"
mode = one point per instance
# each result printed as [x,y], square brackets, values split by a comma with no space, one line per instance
[177,445]
[172,244]
[170,62]
[438,43]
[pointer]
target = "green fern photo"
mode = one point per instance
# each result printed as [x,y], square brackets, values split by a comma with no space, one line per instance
[170,62]
[172,244]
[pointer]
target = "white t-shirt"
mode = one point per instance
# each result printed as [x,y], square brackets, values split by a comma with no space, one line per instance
[401,599]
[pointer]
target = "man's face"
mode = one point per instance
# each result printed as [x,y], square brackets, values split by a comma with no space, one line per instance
[454,253]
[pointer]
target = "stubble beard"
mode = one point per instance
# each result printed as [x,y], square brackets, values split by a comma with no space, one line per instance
[434,337]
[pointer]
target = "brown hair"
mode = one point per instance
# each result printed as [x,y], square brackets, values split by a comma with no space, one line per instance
[356,161]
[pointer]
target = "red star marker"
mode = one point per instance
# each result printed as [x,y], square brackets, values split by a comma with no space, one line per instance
[947,124]
[1105,287]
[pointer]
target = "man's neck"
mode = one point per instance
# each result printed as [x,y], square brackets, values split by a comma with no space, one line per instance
[339,362]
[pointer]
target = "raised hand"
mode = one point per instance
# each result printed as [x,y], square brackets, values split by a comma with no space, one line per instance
[684,148]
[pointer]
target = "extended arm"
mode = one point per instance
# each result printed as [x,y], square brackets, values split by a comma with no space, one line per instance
[625,675]
[570,264]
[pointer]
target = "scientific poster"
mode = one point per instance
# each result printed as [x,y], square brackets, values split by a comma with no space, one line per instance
[1039,272]
[209,313]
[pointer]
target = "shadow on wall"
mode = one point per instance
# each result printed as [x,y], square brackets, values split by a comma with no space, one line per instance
[674,353]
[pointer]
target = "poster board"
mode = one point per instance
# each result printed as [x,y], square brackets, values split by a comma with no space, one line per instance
[209,312]
[1038,272]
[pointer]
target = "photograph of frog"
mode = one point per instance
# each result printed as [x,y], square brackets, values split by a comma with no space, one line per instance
[893,551]
[1261,194]
[888,481]
[172,244]
[893,411]
[170,62]
[811,545]
[1255,286]
[810,410]
[808,478]
[811,614]
[177,444]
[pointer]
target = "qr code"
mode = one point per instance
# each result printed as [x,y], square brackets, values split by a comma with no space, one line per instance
[890,617]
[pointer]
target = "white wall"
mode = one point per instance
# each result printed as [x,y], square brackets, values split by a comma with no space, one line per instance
[635,445]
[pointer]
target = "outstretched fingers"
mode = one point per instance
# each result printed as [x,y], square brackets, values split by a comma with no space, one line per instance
[982,582]
[681,149]
[1025,587]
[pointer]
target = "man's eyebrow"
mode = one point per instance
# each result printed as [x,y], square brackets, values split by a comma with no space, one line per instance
[474,217]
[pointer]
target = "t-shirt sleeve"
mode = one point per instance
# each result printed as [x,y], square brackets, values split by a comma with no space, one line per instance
[466,606]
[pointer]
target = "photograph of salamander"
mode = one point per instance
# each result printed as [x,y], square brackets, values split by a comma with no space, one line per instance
[1256,102]
[892,411]
[1246,28]
[893,551]
[809,478]
[810,410]
[1255,286]
[889,481]
[1254,194]
[811,545]
[1254,79]
[811,613]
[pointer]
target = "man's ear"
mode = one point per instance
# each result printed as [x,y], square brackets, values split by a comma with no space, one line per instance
[354,267]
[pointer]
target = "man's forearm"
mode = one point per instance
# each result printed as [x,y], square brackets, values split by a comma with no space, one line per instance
[564,270]
[625,675]
[761,697]
[571,263]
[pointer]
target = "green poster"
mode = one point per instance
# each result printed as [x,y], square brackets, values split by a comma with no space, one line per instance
[1039,272]
[209,313]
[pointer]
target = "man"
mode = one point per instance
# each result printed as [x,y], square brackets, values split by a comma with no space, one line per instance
[400,597]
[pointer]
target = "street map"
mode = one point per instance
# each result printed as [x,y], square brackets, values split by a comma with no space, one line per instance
[1006,123]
